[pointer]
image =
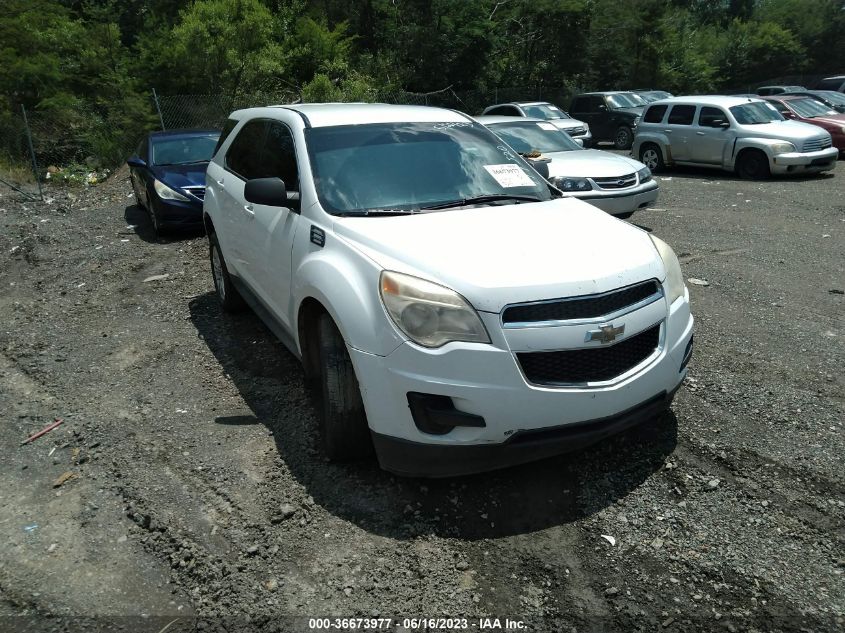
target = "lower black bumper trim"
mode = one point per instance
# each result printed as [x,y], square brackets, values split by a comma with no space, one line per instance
[416,459]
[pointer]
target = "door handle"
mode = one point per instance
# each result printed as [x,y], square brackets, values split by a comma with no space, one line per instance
[668,131]
[220,182]
[701,133]
[248,209]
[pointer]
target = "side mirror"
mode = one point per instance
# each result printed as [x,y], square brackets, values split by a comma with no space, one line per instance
[136,161]
[270,192]
[602,108]
[720,123]
[579,142]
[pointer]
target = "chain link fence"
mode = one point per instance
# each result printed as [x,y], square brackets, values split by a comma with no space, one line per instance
[84,144]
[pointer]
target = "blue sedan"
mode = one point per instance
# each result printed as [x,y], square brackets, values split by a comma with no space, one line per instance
[168,176]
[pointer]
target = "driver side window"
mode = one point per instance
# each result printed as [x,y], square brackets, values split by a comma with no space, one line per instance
[278,159]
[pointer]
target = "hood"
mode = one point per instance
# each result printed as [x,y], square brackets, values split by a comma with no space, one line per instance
[591,163]
[181,175]
[785,130]
[494,256]
[566,124]
[828,121]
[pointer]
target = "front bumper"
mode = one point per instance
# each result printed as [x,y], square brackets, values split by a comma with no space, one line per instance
[805,162]
[618,202]
[415,459]
[485,380]
[176,213]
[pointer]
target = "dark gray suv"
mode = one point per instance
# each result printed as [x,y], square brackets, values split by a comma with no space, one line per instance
[612,116]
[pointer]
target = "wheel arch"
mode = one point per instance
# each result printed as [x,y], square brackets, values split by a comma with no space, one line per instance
[349,295]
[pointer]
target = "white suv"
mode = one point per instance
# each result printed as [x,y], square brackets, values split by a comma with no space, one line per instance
[453,310]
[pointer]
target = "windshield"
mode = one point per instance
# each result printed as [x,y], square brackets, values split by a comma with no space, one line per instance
[413,165]
[810,108]
[185,150]
[527,137]
[636,98]
[836,98]
[544,111]
[622,100]
[755,112]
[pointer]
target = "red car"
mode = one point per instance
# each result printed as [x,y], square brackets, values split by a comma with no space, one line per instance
[809,110]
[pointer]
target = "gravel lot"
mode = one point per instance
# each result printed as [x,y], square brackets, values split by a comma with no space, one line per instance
[197,488]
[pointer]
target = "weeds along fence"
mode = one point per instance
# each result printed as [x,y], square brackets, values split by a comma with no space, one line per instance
[82,144]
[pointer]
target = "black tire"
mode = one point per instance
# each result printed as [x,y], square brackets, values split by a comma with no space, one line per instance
[229,297]
[652,157]
[623,138]
[624,216]
[753,164]
[346,435]
[155,222]
[137,197]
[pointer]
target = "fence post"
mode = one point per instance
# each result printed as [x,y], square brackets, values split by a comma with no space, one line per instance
[32,152]
[158,109]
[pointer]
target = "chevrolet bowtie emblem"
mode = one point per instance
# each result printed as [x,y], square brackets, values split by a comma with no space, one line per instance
[605,334]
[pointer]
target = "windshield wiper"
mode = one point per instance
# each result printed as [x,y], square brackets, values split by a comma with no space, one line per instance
[190,162]
[480,199]
[363,213]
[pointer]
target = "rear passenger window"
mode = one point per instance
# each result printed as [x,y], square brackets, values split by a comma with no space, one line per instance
[655,113]
[279,156]
[243,157]
[681,115]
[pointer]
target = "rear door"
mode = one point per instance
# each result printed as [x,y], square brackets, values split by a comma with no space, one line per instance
[710,138]
[241,163]
[679,131]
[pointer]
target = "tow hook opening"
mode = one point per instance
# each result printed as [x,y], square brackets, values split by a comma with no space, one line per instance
[437,415]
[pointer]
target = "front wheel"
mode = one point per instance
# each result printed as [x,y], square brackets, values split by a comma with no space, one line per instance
[753,164]
[651,157]
[346,435]
[623,138]
[229,297]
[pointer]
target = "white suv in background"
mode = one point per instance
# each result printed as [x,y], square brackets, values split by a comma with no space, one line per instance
[452,309]
[748,136]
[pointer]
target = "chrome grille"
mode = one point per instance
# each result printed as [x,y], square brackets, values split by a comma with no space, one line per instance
[815,144]
[617,182]
[197,192]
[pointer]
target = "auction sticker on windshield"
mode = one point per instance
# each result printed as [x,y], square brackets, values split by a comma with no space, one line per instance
[547,126]
[509,175]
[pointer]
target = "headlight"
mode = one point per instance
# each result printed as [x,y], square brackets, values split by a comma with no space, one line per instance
[636,121]
[571,184]
[166,193]
[644,174]
[783,148]
[429,314]
[842,128]
[674,283]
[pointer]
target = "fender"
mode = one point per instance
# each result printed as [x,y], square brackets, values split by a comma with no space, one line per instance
[345,290]
[763,144]
[659,139]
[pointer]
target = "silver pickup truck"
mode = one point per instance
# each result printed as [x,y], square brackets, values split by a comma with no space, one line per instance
[748,136]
